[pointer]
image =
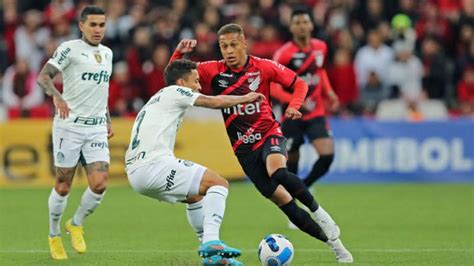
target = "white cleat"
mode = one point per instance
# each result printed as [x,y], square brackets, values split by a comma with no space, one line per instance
[329,226]
[342,254]
[292,226]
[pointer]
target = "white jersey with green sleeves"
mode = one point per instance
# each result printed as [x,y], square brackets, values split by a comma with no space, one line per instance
[86,71]
[156,125]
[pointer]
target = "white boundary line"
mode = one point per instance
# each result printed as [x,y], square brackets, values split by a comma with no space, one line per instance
[187,251]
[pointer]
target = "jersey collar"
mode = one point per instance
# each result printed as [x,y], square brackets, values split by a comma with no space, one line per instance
[242,68]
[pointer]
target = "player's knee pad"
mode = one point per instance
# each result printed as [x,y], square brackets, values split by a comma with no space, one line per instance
[289,181]
[281,175]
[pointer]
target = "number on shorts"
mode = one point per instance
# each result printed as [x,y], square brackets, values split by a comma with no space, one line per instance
[139,120]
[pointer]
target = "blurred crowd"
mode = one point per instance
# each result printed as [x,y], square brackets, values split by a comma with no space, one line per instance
[385,56]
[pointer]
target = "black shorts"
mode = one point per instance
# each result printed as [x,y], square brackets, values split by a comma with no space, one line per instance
[296,130]
[254,164]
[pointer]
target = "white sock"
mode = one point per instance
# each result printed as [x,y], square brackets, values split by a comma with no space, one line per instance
[321,214]
[89,202]
[195,213]
[335,244]
[214,208]
[56,205]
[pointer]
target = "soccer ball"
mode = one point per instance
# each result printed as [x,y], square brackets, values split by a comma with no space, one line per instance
[275,250]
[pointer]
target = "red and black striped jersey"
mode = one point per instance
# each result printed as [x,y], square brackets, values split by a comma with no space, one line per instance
[308,64]
[248,125]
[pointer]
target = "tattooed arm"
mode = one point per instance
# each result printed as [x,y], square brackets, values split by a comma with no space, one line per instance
[45,80]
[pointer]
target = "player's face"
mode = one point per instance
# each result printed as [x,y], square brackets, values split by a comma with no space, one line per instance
[233,48]
[93,28]
[301,26]
[191,81]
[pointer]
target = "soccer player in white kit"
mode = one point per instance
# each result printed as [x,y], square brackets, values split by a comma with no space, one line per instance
[81,126]
[154,171]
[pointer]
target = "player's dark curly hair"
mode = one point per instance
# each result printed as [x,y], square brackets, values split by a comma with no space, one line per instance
[91,10]
[178,69]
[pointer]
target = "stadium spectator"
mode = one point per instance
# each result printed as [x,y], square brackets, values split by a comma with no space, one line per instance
[466,91]
[20,93]
[431,23]
[371,61]
[435,69]
[268,42]
[124,94]
[58,11]
[402,31]
[139,54]
[406,73]
[155,78]
[341,24]
[343,78]
[31,38]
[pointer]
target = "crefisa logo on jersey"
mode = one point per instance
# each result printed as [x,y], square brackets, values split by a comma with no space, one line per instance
[170,180]
[62,54]
[98,77]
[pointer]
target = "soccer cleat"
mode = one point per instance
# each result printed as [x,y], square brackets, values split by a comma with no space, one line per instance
[329,226]
[342,254]
[217,247]
[56,248]
[77,237]
[219,260]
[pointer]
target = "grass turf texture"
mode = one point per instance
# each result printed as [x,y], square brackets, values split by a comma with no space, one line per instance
[392,224]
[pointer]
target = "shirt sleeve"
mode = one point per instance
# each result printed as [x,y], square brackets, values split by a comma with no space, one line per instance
[282,75]
[185,97]
[61,57]
[205,76]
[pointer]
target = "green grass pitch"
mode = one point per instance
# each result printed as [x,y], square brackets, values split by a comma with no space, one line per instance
[389,224]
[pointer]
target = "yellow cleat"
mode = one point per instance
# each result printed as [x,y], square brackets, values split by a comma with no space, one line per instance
[77,237]
[56,248]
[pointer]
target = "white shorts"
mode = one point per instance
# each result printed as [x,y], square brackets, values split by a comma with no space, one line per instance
[71,143]
[169,179]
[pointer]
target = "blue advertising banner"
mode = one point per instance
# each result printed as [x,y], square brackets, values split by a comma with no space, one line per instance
[374,151]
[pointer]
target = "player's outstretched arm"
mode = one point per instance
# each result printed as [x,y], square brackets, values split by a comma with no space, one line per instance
[45,81]
[226,101]
[184,46]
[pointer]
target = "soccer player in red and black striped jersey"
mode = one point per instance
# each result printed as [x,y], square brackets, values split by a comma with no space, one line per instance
[256,136]
[306,56]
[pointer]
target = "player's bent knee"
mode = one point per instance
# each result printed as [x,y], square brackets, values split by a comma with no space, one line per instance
[99,185]
[63,188]
[212,178]
[222,182]
[281,174]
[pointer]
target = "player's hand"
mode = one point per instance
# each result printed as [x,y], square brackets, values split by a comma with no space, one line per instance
[292,113]
[186,46]
[334,101]
[61,107]
[254,96]
[110,131]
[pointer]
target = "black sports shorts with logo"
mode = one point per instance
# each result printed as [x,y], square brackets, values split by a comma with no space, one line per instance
[254,164]
[296,130]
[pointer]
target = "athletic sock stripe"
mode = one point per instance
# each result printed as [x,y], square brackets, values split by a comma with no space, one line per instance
[192,209]
[216,193]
